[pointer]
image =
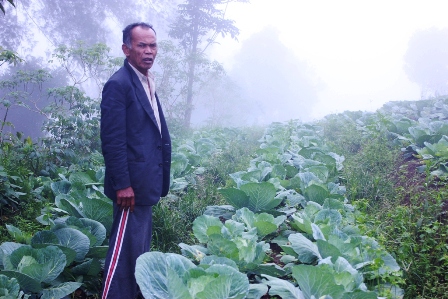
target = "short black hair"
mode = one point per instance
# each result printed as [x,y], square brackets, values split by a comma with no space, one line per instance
[127,36]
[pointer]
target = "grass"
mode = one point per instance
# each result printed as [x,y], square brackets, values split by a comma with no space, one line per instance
[414,228]
[173,217]
[404,210]
[23,218]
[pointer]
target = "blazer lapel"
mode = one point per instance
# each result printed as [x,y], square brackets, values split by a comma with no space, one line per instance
[141,94]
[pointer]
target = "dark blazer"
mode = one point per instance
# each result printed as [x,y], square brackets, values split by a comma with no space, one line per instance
[134,151]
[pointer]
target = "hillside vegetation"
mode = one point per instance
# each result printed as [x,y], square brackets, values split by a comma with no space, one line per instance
[351,206]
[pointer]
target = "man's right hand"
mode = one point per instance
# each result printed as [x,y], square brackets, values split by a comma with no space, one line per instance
[125,199]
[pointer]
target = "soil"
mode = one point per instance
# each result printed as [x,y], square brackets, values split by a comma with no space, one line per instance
[411,181]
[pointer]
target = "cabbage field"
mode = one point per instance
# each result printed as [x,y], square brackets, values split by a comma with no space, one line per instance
[350,206]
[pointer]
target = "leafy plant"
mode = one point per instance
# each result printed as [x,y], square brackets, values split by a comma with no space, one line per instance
[37,269]
[170,275]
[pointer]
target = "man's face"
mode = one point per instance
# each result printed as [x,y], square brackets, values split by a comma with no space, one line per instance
[144,49]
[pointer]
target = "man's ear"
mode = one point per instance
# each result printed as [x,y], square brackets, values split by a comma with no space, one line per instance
[125,49]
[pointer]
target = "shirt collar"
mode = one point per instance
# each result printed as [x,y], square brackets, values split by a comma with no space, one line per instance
[141,76]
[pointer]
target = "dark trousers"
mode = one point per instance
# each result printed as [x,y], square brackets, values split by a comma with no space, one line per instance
[130,237]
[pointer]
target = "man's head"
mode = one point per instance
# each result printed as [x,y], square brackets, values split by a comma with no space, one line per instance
[140,46]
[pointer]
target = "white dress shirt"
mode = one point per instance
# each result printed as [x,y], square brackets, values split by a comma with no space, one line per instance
[150,88]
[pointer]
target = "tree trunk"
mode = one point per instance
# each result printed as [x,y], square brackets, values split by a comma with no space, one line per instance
[189,101]
[191,69]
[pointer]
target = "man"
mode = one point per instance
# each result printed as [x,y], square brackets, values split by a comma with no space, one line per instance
[137,152]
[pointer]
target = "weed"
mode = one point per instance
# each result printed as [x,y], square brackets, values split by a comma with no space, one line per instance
[411,226]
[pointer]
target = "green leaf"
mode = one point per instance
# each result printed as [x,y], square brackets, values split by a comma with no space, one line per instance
[75,240]
[301,223]
[61,187]
[278,171]
[229,283]
[17,234]
[179,184]
[282,288]
[193,252]
[9,286]
[328,250]
[47,262]
[250,252]
[306,178]
[266,223]
[270,269]
[32,266]
[179,163]
[224,211]
[256,291]
[218,260]
[96,228]
[26,282]
[354,279]
[316,192]
[333,216]
[60,291]
[219,246]
[91,267]
[97,252]
[235,197]
[291,171]
[245,216]
[420,135]
[159,275]
[317,281]
[205,226]
[43,239]
[265,228]
[80,177]
[6,248]
[307,251]
[261,196]
[233,229]
[67,203]
[320,171]
[333,204]
[317,232]
[99,210]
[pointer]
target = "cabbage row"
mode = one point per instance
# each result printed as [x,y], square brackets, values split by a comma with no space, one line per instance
[70,253]
[421,128]
[288,231]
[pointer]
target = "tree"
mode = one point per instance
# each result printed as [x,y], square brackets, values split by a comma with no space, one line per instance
[277,85]
[196,27]
[54,22]
[10,57]
[2,8]
[172,77]
[426,61]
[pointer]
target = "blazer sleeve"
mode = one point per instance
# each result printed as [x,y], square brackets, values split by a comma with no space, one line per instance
[113,133]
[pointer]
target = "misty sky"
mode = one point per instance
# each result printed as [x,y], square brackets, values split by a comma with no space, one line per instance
[295,59]
[353,50]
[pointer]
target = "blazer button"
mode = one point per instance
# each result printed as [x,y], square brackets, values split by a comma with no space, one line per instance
[159,147]
[160,164]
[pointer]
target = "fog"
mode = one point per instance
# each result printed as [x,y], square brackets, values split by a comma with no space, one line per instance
[355,48]
[293,59]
